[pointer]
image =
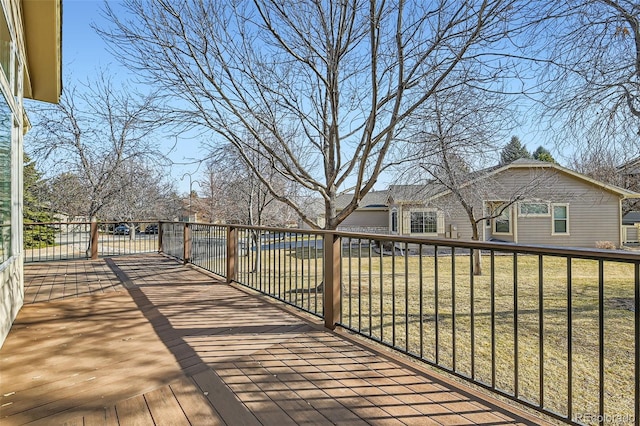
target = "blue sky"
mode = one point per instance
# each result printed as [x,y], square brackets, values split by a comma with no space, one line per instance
[84,52]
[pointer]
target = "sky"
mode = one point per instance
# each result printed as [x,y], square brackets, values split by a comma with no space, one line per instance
[84,53]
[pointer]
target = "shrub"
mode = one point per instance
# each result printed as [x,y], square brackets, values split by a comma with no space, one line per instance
[607,245]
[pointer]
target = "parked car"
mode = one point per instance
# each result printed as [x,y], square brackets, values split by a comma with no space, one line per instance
[121,229]
[151,229]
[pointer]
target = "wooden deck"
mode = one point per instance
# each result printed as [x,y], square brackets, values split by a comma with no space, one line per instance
[144,340]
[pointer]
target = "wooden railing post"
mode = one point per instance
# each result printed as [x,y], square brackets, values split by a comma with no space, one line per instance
[160,248]
[187,243]
[232,253]
[93,232]
[332,266]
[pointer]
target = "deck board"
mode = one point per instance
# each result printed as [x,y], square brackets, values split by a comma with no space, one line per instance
[134,412]
[146,340]
[194,405]
[164,407]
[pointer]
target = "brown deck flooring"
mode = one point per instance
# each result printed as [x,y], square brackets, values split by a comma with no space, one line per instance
[149,341]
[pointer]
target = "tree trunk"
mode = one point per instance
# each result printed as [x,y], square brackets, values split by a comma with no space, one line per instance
[477,253]
[88,251]
[132,232]
[255,239]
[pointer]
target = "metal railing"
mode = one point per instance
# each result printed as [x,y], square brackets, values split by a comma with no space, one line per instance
[555,329]
[209,247]
[80,240]
[285,264]
[172,239]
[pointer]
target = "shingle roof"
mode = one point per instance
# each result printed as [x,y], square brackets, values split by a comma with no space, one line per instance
[404,193]
[631,218]
[373,199]
[408,193]
[631,167]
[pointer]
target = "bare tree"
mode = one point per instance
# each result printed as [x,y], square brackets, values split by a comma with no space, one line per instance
[320,90]
[233,193]
[241,197]
[460,131]
[602,163]
[591,52]
[144,194]
[67,194]
[98,140]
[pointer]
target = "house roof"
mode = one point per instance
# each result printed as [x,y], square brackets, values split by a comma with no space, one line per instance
[431,190]
[528,163]
[372,200]
[411,193]
[631,218]
[631,167]
[42,22]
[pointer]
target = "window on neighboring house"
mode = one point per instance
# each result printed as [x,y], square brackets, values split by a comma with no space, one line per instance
[502,222]
[534,209]
[394,220]
[560,219]
[424,222]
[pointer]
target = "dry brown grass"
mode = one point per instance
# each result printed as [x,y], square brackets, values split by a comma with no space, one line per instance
[393,299]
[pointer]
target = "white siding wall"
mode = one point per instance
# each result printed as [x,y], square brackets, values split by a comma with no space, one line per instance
[11,294]
[11,272]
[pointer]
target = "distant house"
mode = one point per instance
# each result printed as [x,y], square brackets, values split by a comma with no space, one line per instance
[526,202]
[631,218]
[630,172]
[630,169]
[371,216]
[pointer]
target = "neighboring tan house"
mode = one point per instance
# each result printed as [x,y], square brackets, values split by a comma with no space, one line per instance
[526,202]
[30,67]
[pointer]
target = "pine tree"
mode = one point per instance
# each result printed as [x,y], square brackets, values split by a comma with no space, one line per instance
[35,236]
[513,151]
[543,154]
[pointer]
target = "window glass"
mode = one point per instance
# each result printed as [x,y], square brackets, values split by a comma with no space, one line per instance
[560,220]
[424,222]
[17,86]
[5,180]
[534,209]
[5,48]
[394,220]
[502,223]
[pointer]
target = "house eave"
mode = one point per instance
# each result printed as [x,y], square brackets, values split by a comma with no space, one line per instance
[42,26]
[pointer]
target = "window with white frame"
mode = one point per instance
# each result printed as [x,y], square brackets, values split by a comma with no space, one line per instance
[560,219]
[424,222]
[5,180]
[534,208]
[502,222]
[7,168]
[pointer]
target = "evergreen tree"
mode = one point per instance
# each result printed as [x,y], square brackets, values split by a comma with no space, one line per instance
[35,236]
[543,154]
[513,151]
